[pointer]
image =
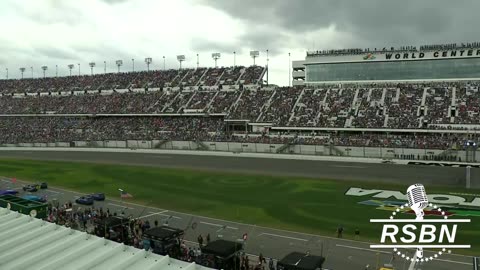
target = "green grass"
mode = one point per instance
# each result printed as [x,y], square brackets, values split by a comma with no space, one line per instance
[298,204]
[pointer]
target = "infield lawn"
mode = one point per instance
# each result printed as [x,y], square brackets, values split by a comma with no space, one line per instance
[316,206]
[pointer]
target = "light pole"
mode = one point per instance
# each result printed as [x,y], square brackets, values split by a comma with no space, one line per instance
[215,57]
[163,62]
[148,61]
[71,67]
[104,67]
[31,68]
[267,66]
[198,61]
[22,70]
[234,59]
[92,65]
[119,64]
[133,65]
[180,59]
[254,54]
[56,71]
[7,73]
[289,70]
[44,68]
[78,69]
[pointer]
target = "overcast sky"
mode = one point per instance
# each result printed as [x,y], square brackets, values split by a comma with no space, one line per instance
[62,32]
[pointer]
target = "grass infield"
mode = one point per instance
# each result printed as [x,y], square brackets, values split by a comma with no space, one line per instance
[316,206]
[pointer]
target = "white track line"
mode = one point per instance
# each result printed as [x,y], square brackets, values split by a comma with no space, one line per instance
[282,236]
[385,252]
[175,217]
[217,225]
[153,214]
[119,205]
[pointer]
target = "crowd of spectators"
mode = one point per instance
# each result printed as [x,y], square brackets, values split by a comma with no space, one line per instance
[200,100]
[231,75]
[437,102]
[280,108]
[370,109]
[307,110]
[16,130]
[223,101]
[250,105]
[408,48]
[337,108]
[193,77]
[404,112]
[252,75]
[468,100]
[402,106]
[212,77]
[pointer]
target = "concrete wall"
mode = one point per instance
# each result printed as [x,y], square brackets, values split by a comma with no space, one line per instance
[348,151]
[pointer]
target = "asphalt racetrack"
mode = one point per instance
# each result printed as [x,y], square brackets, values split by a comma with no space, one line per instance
[341,254]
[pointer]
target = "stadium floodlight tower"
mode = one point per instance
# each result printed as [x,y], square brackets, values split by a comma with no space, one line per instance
[22,70]
[44,68]
[254,54]
[215,57]
[71,67]
[92,65]
[148,61]
[119,63]
[180,59]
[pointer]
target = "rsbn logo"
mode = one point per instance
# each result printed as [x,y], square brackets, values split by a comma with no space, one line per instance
[419,233]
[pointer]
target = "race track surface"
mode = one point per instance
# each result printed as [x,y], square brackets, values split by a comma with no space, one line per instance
[405,174]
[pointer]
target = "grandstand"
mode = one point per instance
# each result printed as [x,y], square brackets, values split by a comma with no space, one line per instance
[340,98]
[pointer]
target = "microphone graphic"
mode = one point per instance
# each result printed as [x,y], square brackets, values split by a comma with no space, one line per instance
[417,200]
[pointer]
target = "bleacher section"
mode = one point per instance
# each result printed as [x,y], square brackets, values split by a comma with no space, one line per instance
[154,107]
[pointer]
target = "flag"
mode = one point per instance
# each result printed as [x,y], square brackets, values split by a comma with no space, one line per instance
[125,195]
[14,180]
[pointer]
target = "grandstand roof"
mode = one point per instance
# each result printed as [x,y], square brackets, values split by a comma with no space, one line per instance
[30,243]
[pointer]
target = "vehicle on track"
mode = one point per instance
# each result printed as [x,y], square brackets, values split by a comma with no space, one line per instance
[35,198]
[8,192]
[43,185]
[85,200]
[97,196]
[31,188]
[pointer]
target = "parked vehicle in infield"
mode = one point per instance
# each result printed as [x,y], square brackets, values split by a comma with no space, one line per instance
[8,192]
[31,188]
[98,196]
[43,185]
[34,198]
[85,200]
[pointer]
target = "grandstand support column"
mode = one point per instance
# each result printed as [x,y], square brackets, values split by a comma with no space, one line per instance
[267,66]
[289,70]
[22,70]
